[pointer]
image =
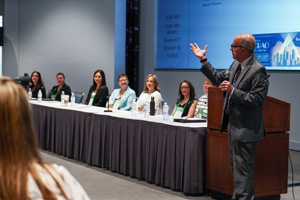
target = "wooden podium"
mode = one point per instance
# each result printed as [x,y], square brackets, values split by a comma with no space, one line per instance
[271,158]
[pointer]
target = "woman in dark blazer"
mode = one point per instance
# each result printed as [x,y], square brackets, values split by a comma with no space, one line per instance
[98,92]
[56,91]
[36,84]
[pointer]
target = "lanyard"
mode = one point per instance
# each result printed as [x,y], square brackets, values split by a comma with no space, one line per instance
[179,110]
[53,96]
[116,104]
[92,98]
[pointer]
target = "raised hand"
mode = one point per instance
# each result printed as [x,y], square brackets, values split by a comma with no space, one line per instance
[200,53]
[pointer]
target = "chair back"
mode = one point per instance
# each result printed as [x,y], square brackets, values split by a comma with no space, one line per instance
[49,94]
[78,97]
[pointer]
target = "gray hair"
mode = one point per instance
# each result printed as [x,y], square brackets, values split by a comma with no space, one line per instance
[248,44]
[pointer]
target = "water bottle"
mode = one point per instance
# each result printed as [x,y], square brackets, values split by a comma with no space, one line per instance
[165,111]
[134,108]
[73,99]
[152,106]
[62,97]
[40,96]
[30,93]
[160,108]
[146,109]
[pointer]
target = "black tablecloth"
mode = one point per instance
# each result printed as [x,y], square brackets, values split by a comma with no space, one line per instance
[162,154]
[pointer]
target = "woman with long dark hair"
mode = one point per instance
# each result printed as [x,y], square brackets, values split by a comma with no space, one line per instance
[98,92]
[186,104]
[36,83]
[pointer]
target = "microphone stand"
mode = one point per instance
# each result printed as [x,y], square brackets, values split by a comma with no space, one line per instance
[107,97]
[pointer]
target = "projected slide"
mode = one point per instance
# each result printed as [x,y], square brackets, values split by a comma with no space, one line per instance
[277,51]
[216,22]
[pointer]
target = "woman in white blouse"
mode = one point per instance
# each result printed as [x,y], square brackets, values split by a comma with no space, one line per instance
[151,90]
[23,174]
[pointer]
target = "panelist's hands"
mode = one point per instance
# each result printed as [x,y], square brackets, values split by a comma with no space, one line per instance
[200,53]
[226,86]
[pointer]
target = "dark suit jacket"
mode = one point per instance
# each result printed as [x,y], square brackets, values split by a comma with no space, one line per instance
[100,97]
[245,119]
[64,88]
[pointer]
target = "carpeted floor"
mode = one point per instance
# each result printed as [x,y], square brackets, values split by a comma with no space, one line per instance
[100,183]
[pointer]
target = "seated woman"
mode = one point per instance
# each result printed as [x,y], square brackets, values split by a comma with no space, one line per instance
[201,109]
[151,90]
[186,104]
[123,97]
[36,84]
[56,91]
[23,174]
[98,92]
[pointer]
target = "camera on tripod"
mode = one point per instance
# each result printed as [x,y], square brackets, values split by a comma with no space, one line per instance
[23,80]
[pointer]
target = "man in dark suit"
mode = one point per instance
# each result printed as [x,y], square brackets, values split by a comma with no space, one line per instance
[246,86]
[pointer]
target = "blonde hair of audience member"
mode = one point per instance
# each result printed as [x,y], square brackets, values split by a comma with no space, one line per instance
[18,145]
[154,79]
[203,100]
[206,85]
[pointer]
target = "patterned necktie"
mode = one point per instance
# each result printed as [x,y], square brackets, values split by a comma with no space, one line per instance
[238,73]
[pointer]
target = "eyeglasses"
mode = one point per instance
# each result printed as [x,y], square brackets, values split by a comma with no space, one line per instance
[235,46]
[123,80]
[185,88]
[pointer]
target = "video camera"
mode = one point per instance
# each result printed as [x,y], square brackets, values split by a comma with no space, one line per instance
[23,80]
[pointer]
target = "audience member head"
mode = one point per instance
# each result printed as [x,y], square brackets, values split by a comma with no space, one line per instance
[18,145]
[60,78]
[186,88]
[36,78]
[206,85]
[151,84]
[17,132]
[123,81]
[99,79]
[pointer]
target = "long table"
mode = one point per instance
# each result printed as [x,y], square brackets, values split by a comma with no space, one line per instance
[166,153]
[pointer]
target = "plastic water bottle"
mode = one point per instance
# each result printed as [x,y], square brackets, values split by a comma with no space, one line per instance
[30,93]
[62,97]
[147,109]
[165,111]
[73,99]
[160,107]
[40,96]
[134,108]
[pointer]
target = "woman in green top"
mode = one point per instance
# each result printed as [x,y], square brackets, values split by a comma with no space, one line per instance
[56,91]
